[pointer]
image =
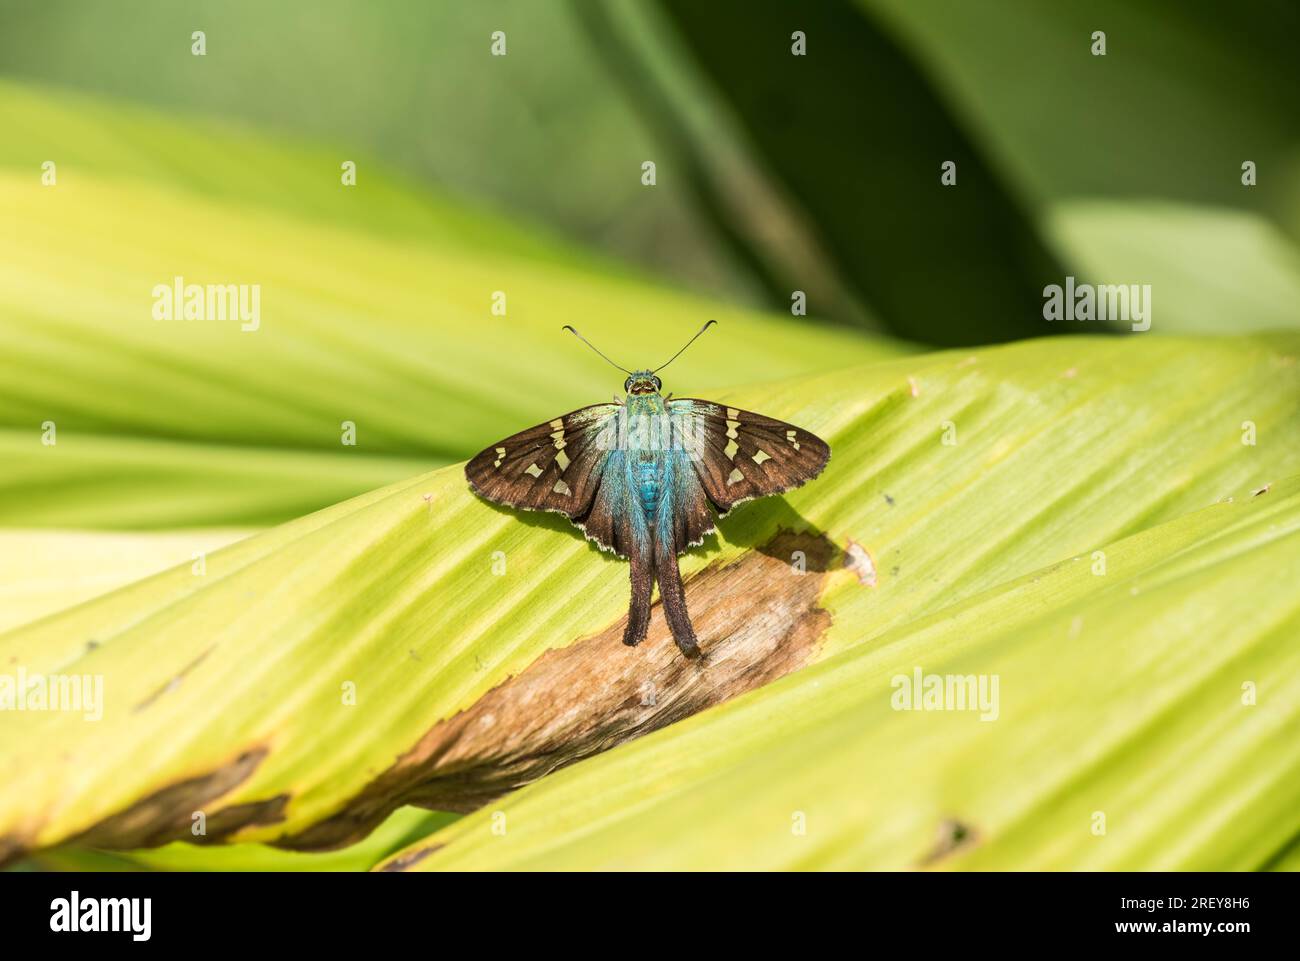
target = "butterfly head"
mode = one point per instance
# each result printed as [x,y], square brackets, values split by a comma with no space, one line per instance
[643,382]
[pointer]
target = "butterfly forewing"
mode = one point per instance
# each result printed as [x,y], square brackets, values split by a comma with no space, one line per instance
[742,455]
[555,466]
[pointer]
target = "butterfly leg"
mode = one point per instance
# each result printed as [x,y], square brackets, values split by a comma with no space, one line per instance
[643,582]
[674,597]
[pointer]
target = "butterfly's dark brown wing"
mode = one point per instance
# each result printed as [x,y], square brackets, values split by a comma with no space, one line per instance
[743,455]
[555,466]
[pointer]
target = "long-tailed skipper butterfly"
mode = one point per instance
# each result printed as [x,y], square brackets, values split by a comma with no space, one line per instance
[639,476]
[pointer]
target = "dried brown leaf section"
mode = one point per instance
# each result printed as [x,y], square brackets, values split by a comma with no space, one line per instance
[757,618]
[168,814]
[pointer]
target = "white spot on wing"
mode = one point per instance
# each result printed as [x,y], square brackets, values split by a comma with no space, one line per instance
[501,452]
[735,475]
[534,470]
[562,459]
[561,488]
[761,456]
[732,447]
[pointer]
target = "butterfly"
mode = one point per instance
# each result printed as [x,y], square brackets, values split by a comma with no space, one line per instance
[641,477]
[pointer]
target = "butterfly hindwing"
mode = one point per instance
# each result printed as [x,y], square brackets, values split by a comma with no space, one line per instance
[743,455]
[611,520]
[689,521]
[555,466]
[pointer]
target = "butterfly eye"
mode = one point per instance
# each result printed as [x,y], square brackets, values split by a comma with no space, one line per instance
[627,384]
[659,384]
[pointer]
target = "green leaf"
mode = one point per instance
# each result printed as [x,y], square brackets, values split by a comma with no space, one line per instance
[1184,94]
[383,80]
[1143,719]
[447,651]
[94,139]
[856,135]
[1089,162]
[1099,145]
[1203,264]
[42,572]
[91,480]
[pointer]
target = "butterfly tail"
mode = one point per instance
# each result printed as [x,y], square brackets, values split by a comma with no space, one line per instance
[673,596]
[643,582]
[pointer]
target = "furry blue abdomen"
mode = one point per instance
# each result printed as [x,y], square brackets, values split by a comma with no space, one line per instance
[648,487]
[648,439]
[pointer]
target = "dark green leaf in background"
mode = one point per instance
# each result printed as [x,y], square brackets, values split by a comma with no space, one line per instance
[857,134]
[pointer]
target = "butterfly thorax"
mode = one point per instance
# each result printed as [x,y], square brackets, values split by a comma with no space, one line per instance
[648,436]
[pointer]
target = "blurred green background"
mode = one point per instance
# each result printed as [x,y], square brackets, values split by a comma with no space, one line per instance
[778,173]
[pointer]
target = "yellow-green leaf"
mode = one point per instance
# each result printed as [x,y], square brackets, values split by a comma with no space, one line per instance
[1138,719]
[321,673]
[42,572]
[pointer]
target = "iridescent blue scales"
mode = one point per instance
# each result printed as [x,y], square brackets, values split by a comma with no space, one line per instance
[642,478]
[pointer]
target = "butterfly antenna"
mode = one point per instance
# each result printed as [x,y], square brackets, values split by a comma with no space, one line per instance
[688,343]
[593,347]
